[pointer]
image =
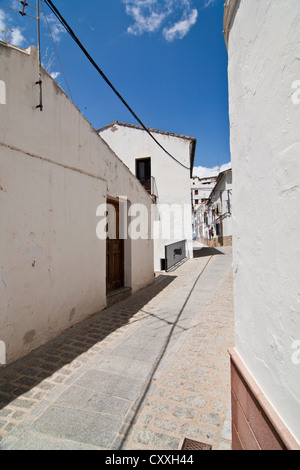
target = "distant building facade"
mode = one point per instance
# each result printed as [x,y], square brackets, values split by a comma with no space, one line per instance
[201,188]
[212,215]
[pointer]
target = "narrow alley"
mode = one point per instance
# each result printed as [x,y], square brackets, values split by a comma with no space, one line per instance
[145,373]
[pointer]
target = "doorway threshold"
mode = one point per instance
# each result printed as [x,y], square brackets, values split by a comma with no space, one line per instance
[117,295]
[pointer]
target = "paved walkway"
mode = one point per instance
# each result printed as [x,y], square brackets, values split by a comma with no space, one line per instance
[143,374]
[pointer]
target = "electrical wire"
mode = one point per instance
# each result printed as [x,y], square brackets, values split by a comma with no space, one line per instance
[60,18]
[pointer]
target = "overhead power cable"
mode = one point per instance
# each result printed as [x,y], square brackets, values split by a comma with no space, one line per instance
[64,23]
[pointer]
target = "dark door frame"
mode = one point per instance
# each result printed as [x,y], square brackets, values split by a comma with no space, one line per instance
[114,254]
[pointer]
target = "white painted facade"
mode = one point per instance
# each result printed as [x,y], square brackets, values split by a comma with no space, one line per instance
[212,217]
[172,179]
[263,50]
[219,211]
[201,188]
[55,171]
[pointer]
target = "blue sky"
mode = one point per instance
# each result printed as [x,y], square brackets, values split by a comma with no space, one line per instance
[167,58]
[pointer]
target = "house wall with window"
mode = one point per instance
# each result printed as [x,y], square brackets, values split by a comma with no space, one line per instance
[213,216]
[170,179]
[219,211]
[263,42]
[55,172]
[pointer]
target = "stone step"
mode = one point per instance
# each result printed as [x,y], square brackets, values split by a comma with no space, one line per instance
[117,295]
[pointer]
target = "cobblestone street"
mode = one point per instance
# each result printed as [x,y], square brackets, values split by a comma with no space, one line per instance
[145,373]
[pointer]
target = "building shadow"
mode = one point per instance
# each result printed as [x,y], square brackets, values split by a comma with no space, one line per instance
[141,399]
[206,251]
[49,365]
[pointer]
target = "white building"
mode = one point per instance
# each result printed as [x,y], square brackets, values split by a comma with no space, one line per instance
[56,176]
[263,42]
[167,179]
[201,188]
[212,215]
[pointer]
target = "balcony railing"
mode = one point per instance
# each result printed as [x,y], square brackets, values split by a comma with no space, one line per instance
[151,188]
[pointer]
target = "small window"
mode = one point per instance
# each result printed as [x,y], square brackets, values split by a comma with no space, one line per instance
[143,169]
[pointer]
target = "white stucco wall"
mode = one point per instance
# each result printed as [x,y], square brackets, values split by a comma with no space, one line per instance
[54,172]
[225,194]
[172,180]
[264,51]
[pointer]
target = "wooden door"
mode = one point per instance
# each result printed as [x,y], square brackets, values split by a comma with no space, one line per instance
[114,251]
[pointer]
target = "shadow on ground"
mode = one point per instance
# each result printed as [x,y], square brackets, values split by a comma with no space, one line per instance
[140,401]
[206,251]
[32,370]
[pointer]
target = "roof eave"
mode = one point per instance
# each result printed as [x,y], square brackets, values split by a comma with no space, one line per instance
[219,179]
[192,156]
[157,131]
[230,7]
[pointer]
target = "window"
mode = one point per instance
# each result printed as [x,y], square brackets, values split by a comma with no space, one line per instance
[143,169]
[143,172]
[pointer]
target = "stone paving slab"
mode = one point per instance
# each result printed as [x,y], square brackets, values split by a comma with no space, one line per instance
[35,441]
[92,400]
[142,374]
[98,429]
[119,386]
[192,397]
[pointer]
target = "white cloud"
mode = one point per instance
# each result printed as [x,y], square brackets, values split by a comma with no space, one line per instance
[12,34]
[150,15]
[54,75]
[208,3]
[182,27]
[203,172]
[57,29]
[17,37]
[142,23]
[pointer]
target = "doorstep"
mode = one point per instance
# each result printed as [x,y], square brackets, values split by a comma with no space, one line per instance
[117,295]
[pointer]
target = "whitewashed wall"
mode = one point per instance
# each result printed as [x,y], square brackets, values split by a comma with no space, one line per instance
[264,51]
[55,171]
[172,180]
[222,197]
